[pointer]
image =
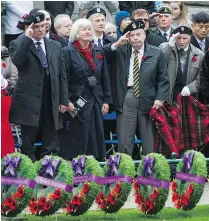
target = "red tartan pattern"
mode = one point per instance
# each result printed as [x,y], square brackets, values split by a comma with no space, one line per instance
[181,126]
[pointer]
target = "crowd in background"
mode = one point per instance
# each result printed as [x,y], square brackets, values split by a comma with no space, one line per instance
[86,66]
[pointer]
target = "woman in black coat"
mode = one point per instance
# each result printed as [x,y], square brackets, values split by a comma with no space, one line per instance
[88,83]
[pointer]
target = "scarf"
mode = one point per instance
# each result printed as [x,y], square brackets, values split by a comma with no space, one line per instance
[86,52]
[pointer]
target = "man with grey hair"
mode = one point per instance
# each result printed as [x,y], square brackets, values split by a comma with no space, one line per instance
[164,20]
[184,63]
[63,25]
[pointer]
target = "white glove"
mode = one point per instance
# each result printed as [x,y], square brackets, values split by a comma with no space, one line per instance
[185,91]
[172,40]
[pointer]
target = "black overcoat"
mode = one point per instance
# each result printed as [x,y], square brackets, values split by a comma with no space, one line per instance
[27,95]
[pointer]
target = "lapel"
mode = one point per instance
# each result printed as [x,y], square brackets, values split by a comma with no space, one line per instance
[206,44]
[49,49]
[33,49]
[194,42]
[126,49]
[190,63]
[176,59]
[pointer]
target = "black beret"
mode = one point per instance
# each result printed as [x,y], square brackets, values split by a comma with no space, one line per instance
[164,10]
[183,30]
[96,10]
[35,17]
[134,25]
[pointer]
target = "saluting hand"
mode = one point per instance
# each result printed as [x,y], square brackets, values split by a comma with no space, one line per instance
[172,40]
[123,39]
[29,31]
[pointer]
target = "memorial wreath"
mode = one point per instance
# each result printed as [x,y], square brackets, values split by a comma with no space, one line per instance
[188,186]
[18,174]
[56,179]
[152,185]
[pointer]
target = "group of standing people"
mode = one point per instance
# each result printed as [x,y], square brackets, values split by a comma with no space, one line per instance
[66,85]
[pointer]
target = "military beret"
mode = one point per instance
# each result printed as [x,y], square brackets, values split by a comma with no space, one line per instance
[183,30]
[164,10]
[35,17]
[96,10]
[134,26]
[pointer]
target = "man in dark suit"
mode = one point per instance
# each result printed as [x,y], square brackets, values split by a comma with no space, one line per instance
[200,28]
[141,84]
[151,38]
[164,19]
[41,91]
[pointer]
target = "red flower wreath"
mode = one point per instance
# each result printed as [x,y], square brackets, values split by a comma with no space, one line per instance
[111,198]
[194,59]
[44,204]
[149,203]
[77,200]
[99,56]
[183,200]
[11,202]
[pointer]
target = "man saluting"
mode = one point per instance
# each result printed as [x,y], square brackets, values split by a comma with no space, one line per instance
[41,90]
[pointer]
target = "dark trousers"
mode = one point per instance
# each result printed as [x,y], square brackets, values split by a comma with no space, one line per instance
[9,38]
[46,127]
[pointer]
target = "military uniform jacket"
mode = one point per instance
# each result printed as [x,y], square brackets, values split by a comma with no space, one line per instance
[27,95]
[154,83]
[193,70]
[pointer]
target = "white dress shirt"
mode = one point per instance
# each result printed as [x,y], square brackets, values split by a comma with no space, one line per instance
[96,40]
[167,32]
[140,55]
[42,44]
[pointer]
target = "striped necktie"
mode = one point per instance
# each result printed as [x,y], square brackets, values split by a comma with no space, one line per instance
[136,74]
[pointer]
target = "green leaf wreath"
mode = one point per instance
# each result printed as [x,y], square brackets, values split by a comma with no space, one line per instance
[187,193]
[50,199]
[113,196]
[85,192]
[15,198]
[155,169]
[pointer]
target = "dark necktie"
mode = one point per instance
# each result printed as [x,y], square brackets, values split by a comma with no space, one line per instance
[165,36]
[42,55]
[99,42]
[136,74]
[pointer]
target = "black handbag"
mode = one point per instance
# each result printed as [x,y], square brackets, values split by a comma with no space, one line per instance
[92,81]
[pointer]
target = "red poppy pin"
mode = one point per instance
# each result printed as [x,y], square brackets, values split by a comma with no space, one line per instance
[99,56]
[3,64]
[143,58]
[194,59]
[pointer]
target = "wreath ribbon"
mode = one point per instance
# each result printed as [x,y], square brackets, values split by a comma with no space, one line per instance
[12,164]
[18,181]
